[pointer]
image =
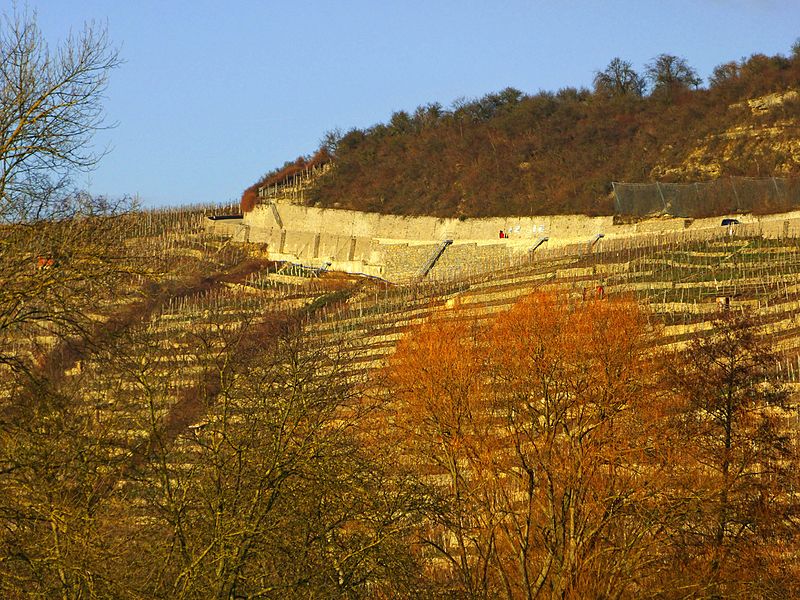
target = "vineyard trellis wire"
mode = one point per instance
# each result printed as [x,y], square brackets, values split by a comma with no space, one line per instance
[680,275]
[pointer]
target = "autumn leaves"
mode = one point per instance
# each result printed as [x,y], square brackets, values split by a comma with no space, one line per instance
[549,452]
[572,460]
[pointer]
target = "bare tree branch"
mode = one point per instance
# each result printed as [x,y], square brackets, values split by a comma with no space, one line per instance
[50,108]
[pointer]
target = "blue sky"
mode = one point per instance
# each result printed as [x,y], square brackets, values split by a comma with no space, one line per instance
[214,94]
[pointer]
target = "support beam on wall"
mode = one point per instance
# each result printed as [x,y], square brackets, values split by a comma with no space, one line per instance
[276,214]
[316,245]
[429,264]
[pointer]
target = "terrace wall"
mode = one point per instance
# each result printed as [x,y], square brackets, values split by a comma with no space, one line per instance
[395,247]
[373,225]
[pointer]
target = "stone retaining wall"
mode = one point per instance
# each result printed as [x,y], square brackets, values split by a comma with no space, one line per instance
[396,247]
[373,225]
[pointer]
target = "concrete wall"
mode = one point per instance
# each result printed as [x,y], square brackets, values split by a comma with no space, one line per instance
[396,247]
[235,228]
[403,261]
[392,227]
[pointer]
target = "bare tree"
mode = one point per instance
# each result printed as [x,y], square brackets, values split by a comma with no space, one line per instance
[269,492]
[738,459]
[619,79]
[724,73]
[669,73]
[50,107]
[58,255]
[57,247]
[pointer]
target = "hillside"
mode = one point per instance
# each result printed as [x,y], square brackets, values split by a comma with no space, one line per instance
[302,402]
[199,400]
[511,153]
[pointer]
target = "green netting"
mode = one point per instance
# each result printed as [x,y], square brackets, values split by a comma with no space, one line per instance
[639,199]
[704,199]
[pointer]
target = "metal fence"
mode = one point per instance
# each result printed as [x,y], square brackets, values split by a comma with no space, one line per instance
[708,198]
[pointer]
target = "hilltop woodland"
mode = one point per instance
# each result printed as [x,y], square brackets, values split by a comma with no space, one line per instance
[172,426]
[510,153]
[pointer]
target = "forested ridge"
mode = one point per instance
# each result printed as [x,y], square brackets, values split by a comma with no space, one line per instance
[513,153]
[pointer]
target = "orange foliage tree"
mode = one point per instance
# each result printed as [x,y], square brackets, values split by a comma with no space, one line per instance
[577,473]
[437,382]
[540,425]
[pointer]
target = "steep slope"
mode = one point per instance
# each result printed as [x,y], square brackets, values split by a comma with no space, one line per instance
[762,139]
